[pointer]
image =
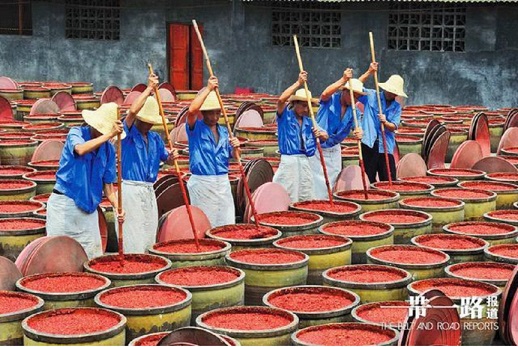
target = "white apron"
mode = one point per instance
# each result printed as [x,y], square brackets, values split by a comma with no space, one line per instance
[333,160]
[141,221]
[294,174]
[65,218]
[213,195]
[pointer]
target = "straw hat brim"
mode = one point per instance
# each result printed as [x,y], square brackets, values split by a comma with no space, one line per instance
[390,89]
[155,120]
[355,91]
[299,98]
[95,121]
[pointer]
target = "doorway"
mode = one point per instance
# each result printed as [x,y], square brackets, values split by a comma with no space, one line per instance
[185,57]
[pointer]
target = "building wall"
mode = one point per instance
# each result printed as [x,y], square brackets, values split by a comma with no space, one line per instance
[237,37]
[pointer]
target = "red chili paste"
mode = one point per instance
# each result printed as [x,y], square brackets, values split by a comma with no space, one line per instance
[456,172]
[287,218]
[393,217]
[331,336]
[266,256]
[18,206]
[21,224]
[42,198]
[199,276]
[492,186]
[511,215]
[367,274]
[430,179]
[247,320]
[509,251]
[325,206]
[73,321]
[151,340]
[453,287]
[384,313]
[408,255]
[46,163]
[431,202]
[128,265]
[13,302]
[403,138]
[403,186]
[189,246]
[310,302]
[14,171]
[244,232]
[485,271]
[42,176]
[461,193]
[142,297]
[15,143]
[311,241]
[356,228]
[482,228]
[511,149]
[63,283]
[441,241]
[6,185]
[360,195]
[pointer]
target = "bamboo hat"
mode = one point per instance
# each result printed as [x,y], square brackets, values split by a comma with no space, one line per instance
[103,118]
[149,113]
[300,95]
[356,84]
[211,102]
[394,85]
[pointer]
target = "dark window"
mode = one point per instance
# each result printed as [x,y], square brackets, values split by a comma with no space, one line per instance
[427,27]
[315,24]
[92,19]
[15,17]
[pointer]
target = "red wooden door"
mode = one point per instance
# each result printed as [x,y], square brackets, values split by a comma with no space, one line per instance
[179,56]
[185,57]
[196,65]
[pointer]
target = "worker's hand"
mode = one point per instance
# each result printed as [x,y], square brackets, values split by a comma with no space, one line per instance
[348,74]
[174,155]
[117,128]
[303,77]
[321,134]
[358,133]
[234,142]
[373,67]
[152,81]
[212,83]
[120,217]
[382,118]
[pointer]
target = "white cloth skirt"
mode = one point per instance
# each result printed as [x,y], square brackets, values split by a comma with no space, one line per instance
[65,218]
[294,174]
[333,160]
[213,195]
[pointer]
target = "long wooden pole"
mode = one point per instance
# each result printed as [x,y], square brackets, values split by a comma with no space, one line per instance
[380,111]
[230,134]
[360,155]
[175,162]
[312,114]
[119,191]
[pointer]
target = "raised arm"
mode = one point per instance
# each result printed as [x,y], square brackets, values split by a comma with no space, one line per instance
[195,105]
[281,103]
[93,144]
[333,88]
[136,106]
[372,68]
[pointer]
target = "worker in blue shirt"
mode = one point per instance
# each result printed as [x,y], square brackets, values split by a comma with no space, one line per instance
[336,117]
[389,116]
[142,152]
[86,168]
[296,141]
[210,149]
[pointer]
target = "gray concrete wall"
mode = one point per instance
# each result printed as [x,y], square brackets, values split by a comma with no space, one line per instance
[237,36]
